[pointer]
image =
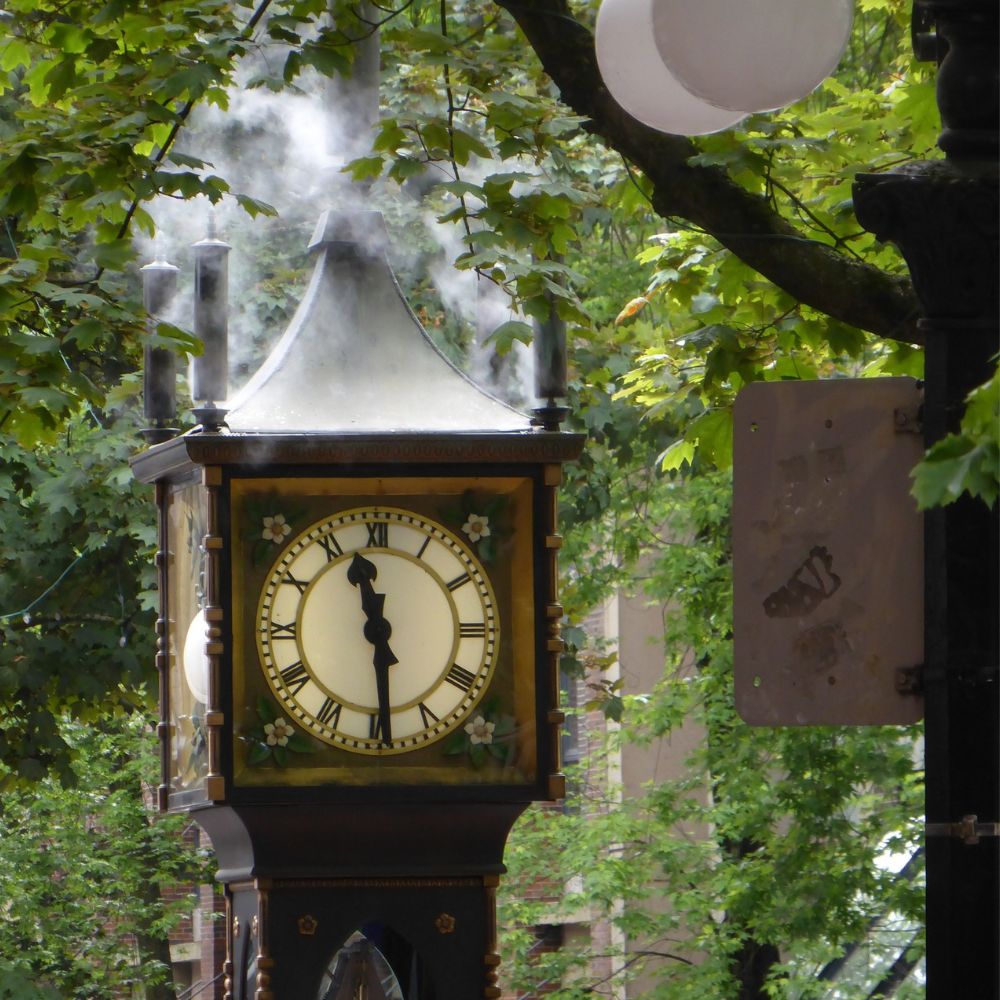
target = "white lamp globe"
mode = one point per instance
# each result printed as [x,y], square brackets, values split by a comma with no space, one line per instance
[751,55]
[195,661]
[637,78]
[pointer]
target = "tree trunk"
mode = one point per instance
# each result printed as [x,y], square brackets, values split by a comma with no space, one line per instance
[751,966]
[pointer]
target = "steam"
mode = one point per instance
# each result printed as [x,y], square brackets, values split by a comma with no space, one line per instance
[484,306]
[289,149]
[286,150]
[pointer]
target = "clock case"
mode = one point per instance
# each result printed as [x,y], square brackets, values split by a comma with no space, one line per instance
[354,389]
[203,467]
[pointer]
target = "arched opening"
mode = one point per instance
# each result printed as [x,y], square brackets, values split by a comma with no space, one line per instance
[375,963]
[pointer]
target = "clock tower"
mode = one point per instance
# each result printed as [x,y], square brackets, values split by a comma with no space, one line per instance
[358,644]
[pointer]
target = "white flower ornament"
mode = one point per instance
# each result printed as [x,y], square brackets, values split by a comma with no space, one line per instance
[277,732]
[276,529]
[477,526]
[480,731]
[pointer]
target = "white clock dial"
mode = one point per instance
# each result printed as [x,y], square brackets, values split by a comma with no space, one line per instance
[378,630]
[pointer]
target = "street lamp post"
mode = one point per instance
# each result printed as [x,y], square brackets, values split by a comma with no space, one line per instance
[943,218]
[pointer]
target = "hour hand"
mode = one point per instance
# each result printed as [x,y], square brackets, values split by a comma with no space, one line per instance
[360,574]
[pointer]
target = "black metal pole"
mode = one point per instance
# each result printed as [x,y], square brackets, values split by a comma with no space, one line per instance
[943,217]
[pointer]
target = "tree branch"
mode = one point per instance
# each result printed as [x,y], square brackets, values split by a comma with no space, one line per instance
[812,272]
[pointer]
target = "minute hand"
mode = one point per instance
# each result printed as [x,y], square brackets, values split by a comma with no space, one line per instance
[377,630]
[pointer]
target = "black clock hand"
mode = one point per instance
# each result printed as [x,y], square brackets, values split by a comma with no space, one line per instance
[377,630]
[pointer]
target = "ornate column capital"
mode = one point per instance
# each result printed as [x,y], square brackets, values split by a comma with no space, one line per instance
[943,217]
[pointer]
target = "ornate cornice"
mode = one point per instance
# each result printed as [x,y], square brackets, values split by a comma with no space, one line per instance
[174,458]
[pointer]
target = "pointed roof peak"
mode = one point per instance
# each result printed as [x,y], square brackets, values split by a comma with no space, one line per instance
[355,359]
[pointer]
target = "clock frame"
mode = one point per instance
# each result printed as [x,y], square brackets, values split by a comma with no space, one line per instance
[492,674]
[500,744]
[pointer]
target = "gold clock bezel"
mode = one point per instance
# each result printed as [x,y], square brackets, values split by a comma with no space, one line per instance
[482,674]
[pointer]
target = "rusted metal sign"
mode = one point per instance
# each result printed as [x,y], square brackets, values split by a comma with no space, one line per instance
[827,551]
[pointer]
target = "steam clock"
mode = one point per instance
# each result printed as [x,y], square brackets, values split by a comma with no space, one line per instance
[358,642]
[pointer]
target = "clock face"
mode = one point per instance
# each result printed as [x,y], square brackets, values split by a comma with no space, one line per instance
[378,630]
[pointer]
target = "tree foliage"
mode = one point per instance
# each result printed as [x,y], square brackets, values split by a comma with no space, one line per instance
[75,582]
[84,874]
[765,861]
[685,268]
[754,251]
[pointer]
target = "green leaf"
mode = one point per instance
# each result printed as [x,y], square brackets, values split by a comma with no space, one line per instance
[189,81]
[364,168]
[919,104]
[327,59]
[168,335]
[19,984]
[680,453]
[253,207]
[14,53]
[390,137]
[300,744]
[467,145]
[60,78]
[267,711]
[714,433]
[258,753]
[86,333]
[614,708]
[30,768]
[49,397]
[504,336]
[956,465]
[115,254]
[429,41]
[967,462]
[405,167]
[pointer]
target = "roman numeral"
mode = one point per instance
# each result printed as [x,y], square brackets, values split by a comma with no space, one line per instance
[299,585]
[295,677]
[329,713]
[375,728]
[331,547]
[282,631]
[427,716]
[423,548]
[458,581]
[460,677]
[472,630]
[378,534]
